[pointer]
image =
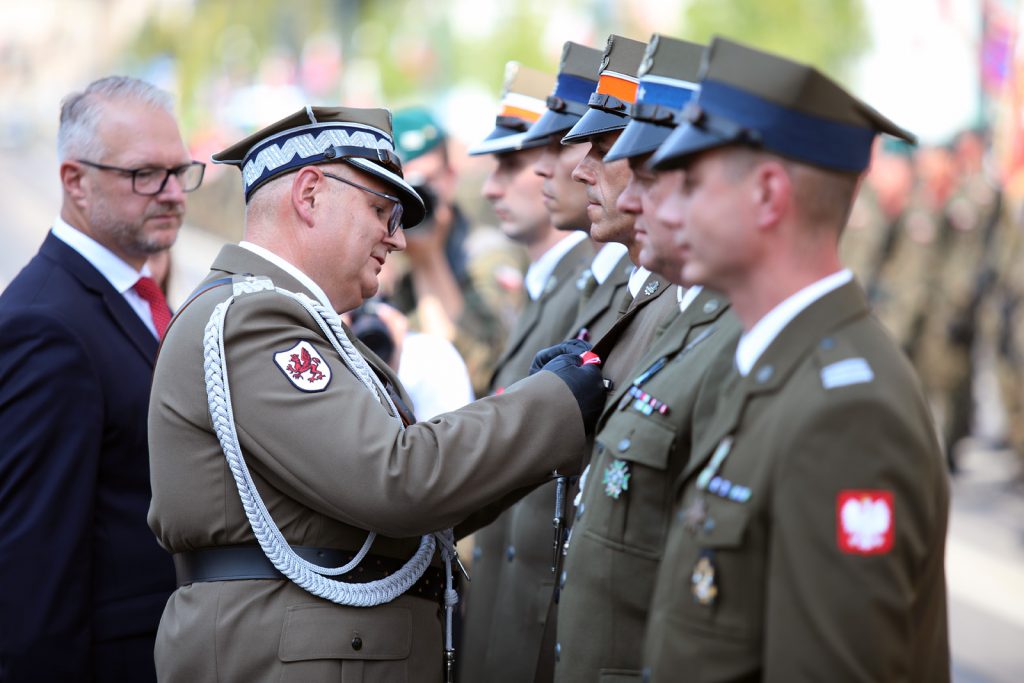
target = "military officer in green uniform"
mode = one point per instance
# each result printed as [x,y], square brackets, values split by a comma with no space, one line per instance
[506,604]
[299,498]
[644,435]
[809,537]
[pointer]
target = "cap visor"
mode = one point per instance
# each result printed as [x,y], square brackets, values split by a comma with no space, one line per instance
[594,122]
[551,123]
[510,141]
[685,141]
[639,137]
[413,209]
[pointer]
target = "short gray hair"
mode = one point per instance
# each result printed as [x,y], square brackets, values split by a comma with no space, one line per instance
[81,111]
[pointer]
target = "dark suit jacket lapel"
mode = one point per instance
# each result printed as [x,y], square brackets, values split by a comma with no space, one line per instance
[776,364]
[93,281]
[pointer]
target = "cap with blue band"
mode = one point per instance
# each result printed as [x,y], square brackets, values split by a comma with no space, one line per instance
[576,81]
[767,102]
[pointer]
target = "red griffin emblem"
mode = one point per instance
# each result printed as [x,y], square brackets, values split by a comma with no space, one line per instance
[301,363]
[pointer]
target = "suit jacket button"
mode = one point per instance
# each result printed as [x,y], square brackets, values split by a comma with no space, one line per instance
[357,643]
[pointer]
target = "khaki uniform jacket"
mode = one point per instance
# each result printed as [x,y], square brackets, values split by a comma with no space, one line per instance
[507,601]
[331,465]
[656,305]
[600,308]
[820,555]
[619,533]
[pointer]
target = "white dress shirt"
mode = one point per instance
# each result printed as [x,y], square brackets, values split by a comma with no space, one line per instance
[121,275]
[292,270]
[540,270]
[753,343]
[605,260]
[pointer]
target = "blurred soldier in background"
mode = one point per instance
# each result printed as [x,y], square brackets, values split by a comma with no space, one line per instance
[439,291]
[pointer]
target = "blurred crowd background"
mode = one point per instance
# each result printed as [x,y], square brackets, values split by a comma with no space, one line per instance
[937,236]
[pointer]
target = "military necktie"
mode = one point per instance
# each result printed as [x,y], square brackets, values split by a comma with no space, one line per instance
[150,291]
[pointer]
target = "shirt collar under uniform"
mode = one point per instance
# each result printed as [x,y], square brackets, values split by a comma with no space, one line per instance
[604,262]
[121,275]
[291,270]
[540,271]
[637,280]
[754,342]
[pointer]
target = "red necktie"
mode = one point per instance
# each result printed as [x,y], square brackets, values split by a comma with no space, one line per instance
[149,290]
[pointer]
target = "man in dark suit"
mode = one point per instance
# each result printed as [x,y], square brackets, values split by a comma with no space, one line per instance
[82,579]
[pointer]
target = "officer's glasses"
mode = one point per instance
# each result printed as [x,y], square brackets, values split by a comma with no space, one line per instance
[395,220]
[151,180]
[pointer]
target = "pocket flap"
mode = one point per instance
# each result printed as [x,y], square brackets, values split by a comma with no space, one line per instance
[336,632]
[729,525]
[646,442]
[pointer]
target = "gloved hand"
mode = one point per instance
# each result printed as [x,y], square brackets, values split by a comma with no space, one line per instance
[544,356]
[585,383]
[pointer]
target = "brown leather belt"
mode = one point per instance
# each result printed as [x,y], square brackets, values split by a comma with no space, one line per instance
[247,562]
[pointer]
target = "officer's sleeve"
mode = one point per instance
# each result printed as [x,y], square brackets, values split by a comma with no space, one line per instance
[337,450]
[50,440]
[854,575]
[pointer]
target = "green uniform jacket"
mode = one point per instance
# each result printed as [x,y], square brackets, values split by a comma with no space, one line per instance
[507,601]
[820,553]
[331,465]
[619,532]
[600,308]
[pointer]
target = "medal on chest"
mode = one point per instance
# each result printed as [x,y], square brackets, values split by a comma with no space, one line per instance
[703,580]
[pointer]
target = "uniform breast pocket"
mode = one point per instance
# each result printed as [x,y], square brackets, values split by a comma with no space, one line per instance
[334,643]
[628,502]
[720,571]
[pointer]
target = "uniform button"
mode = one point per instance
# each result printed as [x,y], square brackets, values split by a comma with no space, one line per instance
[561,582]
[711,306]
[646,676]
[478,552]
[510,553]
[558,651]
[828,343]
[625,444]
[357,643]
[579,512]
[765,374]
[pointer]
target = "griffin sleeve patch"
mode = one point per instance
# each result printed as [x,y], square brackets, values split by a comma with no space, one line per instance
[864,522]
[304,367]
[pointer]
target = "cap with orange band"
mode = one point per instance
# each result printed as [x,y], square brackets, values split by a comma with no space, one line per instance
[608,108]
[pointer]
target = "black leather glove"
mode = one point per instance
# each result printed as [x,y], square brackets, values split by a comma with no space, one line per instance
[585,383]
[544,356]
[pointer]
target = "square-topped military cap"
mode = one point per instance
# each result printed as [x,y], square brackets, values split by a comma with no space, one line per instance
[319,135]
[576,81]
[668,81]
[523,102]
[616,90]
[767,102]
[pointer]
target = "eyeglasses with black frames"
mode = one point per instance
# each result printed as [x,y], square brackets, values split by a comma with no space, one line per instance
[395,220]
[151,180]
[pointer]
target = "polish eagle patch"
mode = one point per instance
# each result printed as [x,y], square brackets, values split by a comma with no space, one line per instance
[865,521]
[304,367]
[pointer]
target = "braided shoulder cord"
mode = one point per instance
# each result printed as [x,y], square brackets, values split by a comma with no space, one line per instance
[308,576]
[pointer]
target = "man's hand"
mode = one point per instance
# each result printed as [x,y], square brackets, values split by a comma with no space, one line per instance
[584,381]
[544,356]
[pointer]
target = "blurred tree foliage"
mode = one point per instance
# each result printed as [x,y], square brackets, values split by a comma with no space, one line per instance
[422,48]
[829,34]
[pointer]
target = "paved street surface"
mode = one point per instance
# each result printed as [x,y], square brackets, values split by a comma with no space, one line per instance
[985,553]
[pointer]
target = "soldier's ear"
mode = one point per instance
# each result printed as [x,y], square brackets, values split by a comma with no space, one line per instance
[306,187]
[772,190]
